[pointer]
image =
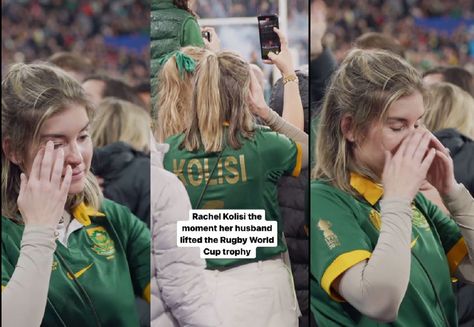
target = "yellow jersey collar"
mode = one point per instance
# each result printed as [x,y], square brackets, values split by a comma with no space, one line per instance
[370,190]
[82,213]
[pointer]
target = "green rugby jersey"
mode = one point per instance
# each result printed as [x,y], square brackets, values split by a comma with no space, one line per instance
[344,232]
[110,259]
[245,178]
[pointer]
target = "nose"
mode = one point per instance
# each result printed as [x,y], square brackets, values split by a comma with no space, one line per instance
[72,155]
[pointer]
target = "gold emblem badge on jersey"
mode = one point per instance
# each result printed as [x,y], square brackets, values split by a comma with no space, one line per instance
[331,239]
[103,244]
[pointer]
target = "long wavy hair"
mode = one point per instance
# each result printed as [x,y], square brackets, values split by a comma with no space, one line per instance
[174,96]
[221,90]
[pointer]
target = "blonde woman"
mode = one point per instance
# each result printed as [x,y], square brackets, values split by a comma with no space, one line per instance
[248,161]
[175,91]
[120,133]
[381,253]
[69,257]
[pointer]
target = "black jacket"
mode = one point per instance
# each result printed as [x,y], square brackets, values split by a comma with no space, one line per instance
[126,175]
[462,151]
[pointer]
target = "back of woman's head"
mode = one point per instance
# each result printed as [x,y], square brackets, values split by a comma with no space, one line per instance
[174,95]
[448,106]
[30,95]
[220,99]
[118,120]
[363,88]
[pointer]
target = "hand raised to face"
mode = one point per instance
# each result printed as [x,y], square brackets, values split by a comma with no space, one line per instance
[44,192]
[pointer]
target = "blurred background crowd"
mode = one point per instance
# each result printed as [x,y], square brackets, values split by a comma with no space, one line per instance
[433,32]
[113,35]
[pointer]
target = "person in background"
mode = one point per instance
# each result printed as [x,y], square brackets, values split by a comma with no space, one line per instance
[173,26]
[175,92]
[450,116]
[375,40]
[98,87]
[74,64]
[143,91]
[179,297]
[81,258]
[120,133]
[382,254]
[451,74]
[292,195]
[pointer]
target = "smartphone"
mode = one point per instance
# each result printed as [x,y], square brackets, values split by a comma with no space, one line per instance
[269,40]
[206,35]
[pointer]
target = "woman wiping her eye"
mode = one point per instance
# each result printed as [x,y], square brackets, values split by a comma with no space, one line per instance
[69,257]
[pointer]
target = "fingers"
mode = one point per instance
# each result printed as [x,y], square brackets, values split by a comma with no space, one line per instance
[388,159]
[36,167]
[66,182]
[283,41]
[272,56]
[58,167]
[426,163]
[413,143]
[47,162]
[23,183]
[268,62]
[422,147]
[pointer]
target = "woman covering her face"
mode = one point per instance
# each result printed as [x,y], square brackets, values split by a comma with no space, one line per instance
[69,257]
[381,252]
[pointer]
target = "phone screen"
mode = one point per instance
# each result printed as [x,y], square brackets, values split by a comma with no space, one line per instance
[269,40]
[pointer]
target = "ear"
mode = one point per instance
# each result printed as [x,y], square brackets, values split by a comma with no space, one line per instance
[347,127]
[11,155]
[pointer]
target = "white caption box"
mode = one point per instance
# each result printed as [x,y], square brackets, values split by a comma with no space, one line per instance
[226,234]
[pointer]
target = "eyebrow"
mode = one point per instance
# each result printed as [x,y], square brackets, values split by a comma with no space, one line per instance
[62,135]
[403,120]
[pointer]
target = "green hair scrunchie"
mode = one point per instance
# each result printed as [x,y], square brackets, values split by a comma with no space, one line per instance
[183,62]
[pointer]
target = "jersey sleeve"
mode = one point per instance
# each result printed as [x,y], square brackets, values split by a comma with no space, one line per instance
[192,34]
[337,240]
[281,154]
[449,234]
[7,268]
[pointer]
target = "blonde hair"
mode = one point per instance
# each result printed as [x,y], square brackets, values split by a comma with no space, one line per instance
[448,106]
[31,94]
[174,96]
[119,120]
[221,90]
[364,87]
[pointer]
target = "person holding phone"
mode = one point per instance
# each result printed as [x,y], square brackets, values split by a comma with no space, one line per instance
[69,257]
[382,254]
[249,161]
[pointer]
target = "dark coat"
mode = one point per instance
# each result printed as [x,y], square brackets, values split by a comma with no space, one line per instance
[462,151]
[292,195]
[126,174]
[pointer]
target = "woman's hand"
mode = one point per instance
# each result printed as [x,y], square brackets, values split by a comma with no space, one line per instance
[257,103]
[43,195]
[405,171]
[215,43]
[283,60]
[441,172]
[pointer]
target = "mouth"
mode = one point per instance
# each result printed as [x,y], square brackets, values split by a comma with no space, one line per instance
[77,174]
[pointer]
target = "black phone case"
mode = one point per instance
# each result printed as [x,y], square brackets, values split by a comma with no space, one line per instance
[269,41]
